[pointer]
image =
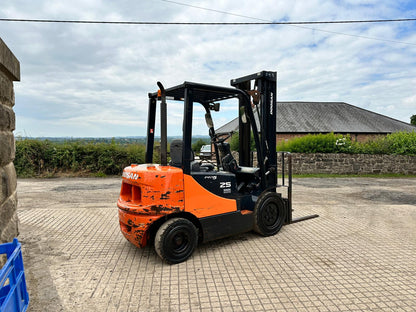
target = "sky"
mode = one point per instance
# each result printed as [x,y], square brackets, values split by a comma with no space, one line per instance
[92,80]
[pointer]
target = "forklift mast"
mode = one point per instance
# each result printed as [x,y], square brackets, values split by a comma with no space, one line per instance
[263,93]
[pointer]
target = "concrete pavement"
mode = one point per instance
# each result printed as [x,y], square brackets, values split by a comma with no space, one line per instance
[359,255]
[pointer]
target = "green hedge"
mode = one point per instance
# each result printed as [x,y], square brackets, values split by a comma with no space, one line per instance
[320,143]
[400,143]
[45,158]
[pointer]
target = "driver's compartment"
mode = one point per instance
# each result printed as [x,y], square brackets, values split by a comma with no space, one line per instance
[228,179]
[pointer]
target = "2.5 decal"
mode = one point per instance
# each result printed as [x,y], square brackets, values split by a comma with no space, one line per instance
[225,184]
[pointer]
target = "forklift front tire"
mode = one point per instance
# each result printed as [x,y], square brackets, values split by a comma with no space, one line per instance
[176,240]
[269,214]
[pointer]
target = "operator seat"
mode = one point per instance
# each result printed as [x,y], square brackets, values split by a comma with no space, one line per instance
[176,156]
[176,153]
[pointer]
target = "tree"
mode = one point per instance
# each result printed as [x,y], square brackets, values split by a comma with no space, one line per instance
[413,120]
[196,147]
[234,142]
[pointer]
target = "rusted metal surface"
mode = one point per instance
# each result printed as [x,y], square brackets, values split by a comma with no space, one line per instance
[148,192]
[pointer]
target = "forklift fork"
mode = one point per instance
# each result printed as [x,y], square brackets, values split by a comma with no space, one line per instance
[289,216]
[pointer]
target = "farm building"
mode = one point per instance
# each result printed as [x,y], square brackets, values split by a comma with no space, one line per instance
[295,119]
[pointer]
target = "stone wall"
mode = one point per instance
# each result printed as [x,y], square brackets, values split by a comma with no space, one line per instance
[9,72]
[353,164]
[348,163]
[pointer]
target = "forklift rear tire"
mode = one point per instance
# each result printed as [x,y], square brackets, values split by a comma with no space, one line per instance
[269,214]
[176,240]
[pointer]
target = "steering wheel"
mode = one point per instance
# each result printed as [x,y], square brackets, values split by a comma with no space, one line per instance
[222,137]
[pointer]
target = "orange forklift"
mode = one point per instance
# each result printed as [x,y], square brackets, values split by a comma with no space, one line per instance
[177,204]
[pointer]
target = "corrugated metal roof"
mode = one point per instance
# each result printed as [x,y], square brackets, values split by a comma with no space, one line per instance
[322,117]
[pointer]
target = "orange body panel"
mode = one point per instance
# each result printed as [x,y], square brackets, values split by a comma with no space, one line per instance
[150,192]
[202,203]
[134,227]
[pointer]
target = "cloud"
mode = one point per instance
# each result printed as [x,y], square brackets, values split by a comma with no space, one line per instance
[93,80]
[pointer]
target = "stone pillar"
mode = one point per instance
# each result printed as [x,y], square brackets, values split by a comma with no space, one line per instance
[9,72]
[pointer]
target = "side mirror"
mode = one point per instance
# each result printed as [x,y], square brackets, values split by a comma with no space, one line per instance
[208,120]
[243,115]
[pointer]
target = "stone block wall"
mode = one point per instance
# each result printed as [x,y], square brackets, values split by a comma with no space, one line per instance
[9,72]
[348,163]
[353,164]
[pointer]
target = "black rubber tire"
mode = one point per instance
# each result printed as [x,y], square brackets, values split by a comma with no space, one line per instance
[269,214]
[176,240]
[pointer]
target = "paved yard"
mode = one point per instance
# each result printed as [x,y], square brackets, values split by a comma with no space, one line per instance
[359,255]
